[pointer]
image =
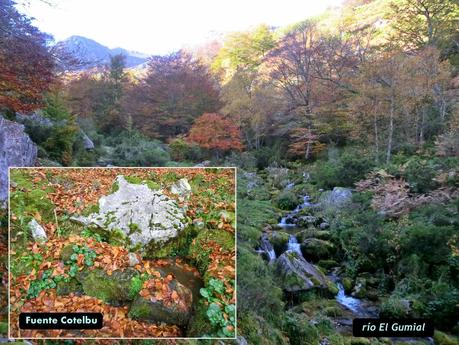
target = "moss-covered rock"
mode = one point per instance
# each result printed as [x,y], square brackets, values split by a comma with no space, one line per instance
[327,264]
[199,324]
[315,249]
[178,246]
[313,233]
[67,252]
[175,312]
[113,289]
[66,288]
[279,240]
[200,254]
[347,284]
[441,338]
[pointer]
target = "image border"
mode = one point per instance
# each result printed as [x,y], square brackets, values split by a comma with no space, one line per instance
[234,168]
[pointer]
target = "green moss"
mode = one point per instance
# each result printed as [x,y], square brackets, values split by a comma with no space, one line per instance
[199,324]
[66,288]
[327,264]
[441,338]
[347,284]
[3,327]
[91,209]
[200,254]
[115,187]
[113,288]
[360,341]
[279,240]
[178,246]
[137,180]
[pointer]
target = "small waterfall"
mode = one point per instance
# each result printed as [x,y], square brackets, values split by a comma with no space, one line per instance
[353,304]
[267,248]
[293,245]
[289,186]
[289,219]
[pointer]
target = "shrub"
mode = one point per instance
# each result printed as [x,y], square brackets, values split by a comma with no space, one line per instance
[135,149]
[287,200]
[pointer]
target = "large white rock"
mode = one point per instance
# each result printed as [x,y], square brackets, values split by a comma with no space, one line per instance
[143,214]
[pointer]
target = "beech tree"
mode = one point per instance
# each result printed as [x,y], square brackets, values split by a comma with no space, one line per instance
[214,132]
[176,90]
[26,66]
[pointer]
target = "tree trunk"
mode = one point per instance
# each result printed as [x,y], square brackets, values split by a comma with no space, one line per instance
[423,121]
[375,123]
[391,129]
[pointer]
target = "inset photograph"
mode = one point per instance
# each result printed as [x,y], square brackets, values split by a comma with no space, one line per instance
[151,249]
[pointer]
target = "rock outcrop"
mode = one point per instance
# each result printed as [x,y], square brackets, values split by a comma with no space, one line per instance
[16,150]
[142,214]
[336,198]
[299,275]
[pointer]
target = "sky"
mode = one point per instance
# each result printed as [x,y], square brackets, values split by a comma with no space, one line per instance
[160,27]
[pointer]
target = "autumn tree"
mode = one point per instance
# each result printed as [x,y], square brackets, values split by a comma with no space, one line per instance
[313,71]
[418,23]
[26,66]
[249,101]
[400,99]
[216,133]
[100,97]
[176,90]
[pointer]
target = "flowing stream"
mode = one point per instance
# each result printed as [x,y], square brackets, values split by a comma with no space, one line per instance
[289,219]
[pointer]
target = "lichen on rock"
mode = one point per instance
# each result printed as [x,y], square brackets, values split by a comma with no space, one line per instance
[142,214]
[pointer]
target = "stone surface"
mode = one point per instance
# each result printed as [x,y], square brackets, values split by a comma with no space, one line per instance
[114,289]
[16,150]
[133,259]
[142,214]
[181,188]
[176,311]
[336,198]
[38,233]
[87,142]
[299,275]
[315,249]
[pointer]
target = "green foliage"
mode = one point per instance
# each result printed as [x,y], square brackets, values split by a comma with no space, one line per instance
[287,200]
[221,315]
[45,282]
[135,149]
[89,256]
[342,171]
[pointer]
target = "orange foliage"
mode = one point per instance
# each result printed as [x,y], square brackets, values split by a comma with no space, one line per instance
[213,131]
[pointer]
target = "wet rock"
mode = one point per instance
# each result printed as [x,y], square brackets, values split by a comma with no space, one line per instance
[279,240]
[299,275]
[38,233]
[16,149]
[172,311]
[114,289]
[142,214]
[305,221]
[359,289]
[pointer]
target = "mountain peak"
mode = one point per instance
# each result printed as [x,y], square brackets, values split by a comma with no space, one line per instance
[93,54]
